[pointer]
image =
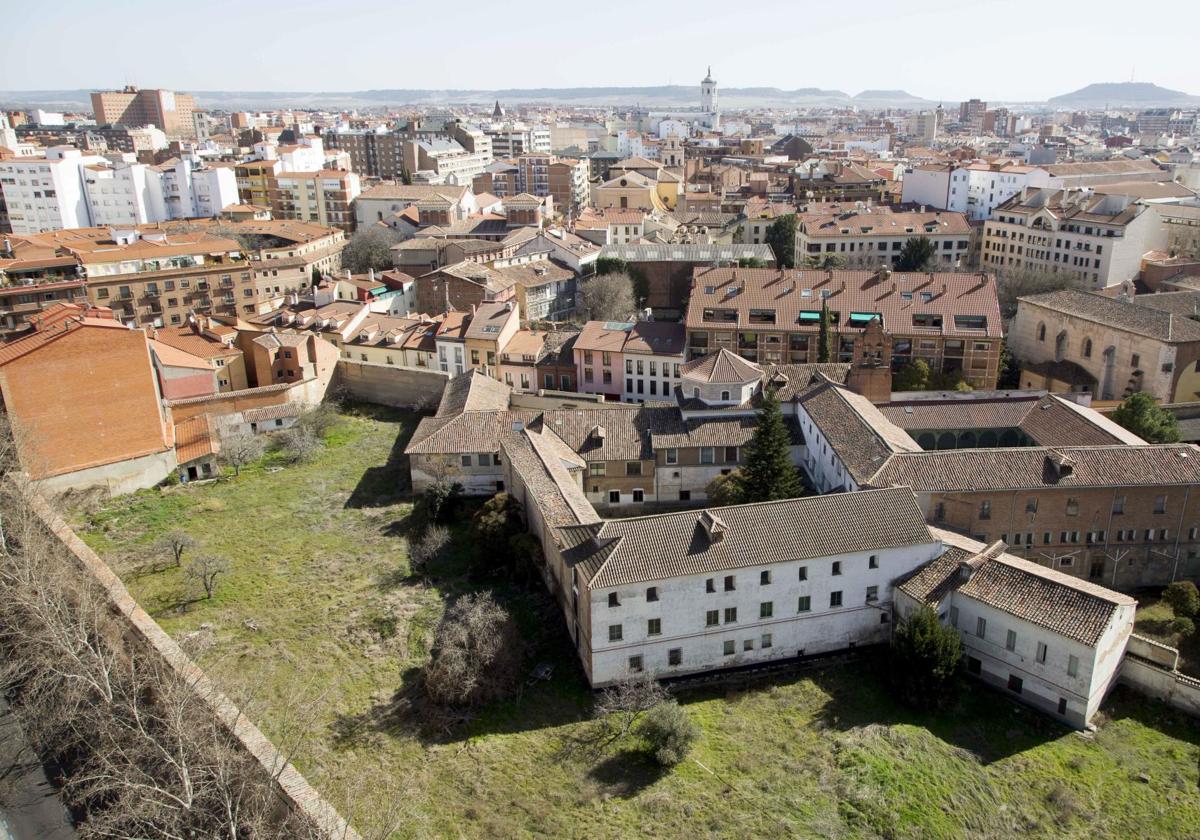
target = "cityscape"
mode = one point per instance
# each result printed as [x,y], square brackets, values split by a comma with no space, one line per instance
[713,445]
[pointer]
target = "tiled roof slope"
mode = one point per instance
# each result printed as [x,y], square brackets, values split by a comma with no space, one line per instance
[625,551]
[721,368]
[1119,314]
[861,436]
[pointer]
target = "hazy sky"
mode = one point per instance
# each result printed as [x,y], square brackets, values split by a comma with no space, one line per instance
[938,49]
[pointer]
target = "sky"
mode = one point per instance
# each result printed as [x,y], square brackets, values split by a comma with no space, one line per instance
[1009,50]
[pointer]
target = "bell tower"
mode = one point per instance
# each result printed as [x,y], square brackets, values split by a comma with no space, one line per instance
[709,103]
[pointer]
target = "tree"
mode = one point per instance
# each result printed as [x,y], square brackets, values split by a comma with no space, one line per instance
[176,543]
[607,297]
[727,489]
[1183,597]
[204,569]
[823,261]
[319,420]
[620,707]
[924,660]
[781,236]
[1015,283]
[476,655]
[918,254]
[300,443]
[751,262]
[370,247]
[241,448]
[428,547]
[316,275]
[1140,414]
[914,376]
[1182,627]
[492,528]
[438,504]
[769,473]
[824,353]
[669,733]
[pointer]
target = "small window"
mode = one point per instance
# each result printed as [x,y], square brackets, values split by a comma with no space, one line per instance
[731,615]
[466,460]
[613,599]
[615,632]
[635,664]
[1010,641]
[748,644]
[639,495]
[805,604]
[1031,504]
[652,593]
[985,510]
[837,567]
[764,577]
[981,627]
[675,656]
[1072,666]
[872,593]
[730,648]
[1041,653]
[954,616]
[633,468]
[1062,705]
[654,627]
[614,497]
[710,585]
[712,618]
[803,573]
[1015,683]
[766,609]
[1160,504]
[835,599]
[766,640]
[974,666]
[730,583]
[873,561]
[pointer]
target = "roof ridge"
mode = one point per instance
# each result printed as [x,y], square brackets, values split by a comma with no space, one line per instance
[699,510]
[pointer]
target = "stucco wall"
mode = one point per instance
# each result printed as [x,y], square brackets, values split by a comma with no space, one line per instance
[1175,689]
[389,385]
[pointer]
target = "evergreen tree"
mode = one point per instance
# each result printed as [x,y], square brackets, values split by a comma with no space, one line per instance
[769,473]
[918,254]
[914,376]
[781,236]
[824,353]
[924,660]
[1140,414]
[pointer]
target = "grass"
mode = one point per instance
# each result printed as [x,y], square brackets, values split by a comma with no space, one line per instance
[1154,618]
[319,567]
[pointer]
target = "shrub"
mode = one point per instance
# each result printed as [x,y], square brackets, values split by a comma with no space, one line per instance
[492,528]
[476,654]
[300,443]
[428,547]
[924,660]
[1140,414]
[1183,597]
[438,504]
[669,733]
[728,489]
[1183,627]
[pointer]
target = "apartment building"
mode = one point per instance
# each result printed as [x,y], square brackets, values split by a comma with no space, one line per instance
[325,197]
[949,320]
[1099,238]
[568,184]
[383,201]
[47,193]
[256,180]
[632,361]
[669,267]
[374,153]
[442,160]
[170,111]
[870,236]
[975,189]
[1047,639]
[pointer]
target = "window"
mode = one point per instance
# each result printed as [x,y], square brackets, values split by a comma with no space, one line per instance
[675,656]
[803,572]
[1010,642]
[873,561]
[974,666]
[597,468]
[1062,705]
[672,456]
[466,460]
[652,593]
[1014,683]
[707,455]
[748,644]
[1041,653]
[730,583]
[985,510]
[729,648]
[633,468]
[483,460]
[766,609]
[731,454]
[614,497]
[635,664]
[872,593]
[709,586]
[766,641]
[1118,505]
[614,632]
[1072,507]
[654,627]
[712,618]
[1072,666]
[1160,504]
[731,615]
[1031,504]
[954,616]
[981,627]
[835,599]
[639,496]
[613,599]
[764,577]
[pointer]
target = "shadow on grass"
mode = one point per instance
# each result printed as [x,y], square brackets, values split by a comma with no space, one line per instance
[1126,704]
[627,773]
[391,482]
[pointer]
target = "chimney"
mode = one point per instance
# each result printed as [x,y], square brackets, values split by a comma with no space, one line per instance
[713,526]
[371,274]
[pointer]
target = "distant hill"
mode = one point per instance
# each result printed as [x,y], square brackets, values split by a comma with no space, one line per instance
[1124,94]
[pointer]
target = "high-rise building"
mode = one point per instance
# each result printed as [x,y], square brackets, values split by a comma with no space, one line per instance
[165,109]
[970,113]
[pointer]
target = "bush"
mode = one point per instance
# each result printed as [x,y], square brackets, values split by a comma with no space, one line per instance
[300,443]
[492,529]
[476,654]
[669,733]
[438,504]
[924,660]
[428,547]
[1183,597]
[1140,414]
[728,489]
[1183,627]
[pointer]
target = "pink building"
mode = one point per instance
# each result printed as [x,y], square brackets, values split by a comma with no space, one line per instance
[599,360]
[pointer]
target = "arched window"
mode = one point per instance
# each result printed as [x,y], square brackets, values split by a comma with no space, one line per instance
[1041,332]
[1087,348]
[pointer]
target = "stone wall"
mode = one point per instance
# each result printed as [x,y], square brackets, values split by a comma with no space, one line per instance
[402,387]
[1149,667]
[294,791]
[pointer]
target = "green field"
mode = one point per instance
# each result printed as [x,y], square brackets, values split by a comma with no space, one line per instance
[318,629]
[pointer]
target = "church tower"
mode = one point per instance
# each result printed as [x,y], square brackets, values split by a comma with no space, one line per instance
[708,100]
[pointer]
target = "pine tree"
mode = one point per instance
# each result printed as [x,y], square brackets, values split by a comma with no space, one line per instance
[769,473]
[781,236]
[918,254]
[924,661]
[824,355]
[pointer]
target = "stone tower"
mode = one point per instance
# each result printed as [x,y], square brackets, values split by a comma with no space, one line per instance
[871,367]
[709,103]
[671,152]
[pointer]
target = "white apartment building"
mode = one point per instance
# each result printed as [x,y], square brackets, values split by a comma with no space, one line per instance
[976,189]
[866,237]
[1050,640]
[124,193]
[654,356]
[1099,238]
[193,190]
[695,591]
[509,140]
[47,193]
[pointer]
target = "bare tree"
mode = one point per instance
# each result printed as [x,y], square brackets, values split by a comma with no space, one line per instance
[607,297]
[476,654]
[617,712]
[241,448]
[428,547]
[1015,283]
[300,443]
[319,420]
[204,569]
[370,247]
[176,543]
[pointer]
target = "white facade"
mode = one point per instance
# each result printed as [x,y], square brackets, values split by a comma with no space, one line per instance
[976,190]
[942,187]
[124,194]
[848,603]
[47,193]
[649,377]
[673,128]
[451,356]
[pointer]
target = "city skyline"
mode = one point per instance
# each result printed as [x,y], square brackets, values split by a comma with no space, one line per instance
[369,49]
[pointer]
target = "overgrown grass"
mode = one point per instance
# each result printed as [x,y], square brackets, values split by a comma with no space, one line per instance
[319,567]
[1154,618]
